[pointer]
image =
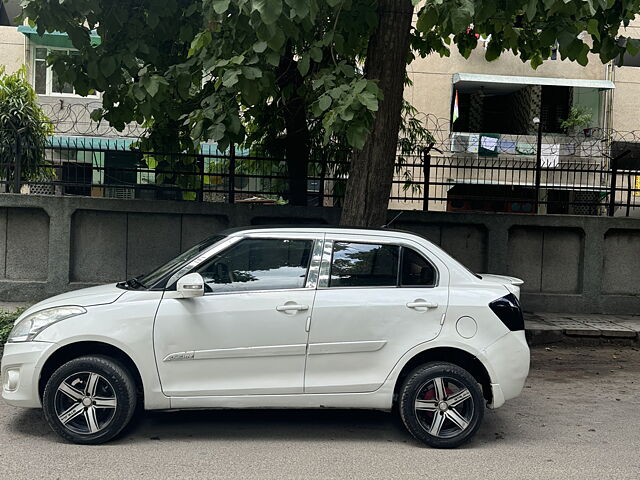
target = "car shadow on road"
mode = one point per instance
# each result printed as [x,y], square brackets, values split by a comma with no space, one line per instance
[248,425]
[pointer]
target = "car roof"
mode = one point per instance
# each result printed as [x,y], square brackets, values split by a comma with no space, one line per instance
[390,232]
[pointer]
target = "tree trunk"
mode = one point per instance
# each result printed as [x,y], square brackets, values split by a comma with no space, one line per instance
[371,171]
[298,141]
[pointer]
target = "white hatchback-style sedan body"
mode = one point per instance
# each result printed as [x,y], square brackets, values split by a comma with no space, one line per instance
[300,317]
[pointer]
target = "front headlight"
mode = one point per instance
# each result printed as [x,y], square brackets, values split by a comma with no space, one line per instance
[28,327]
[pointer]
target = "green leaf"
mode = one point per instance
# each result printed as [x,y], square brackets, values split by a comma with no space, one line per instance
[270,10]
[151,85]
[230,78]
[427,20]
[592,28]
[107,66]
[532,8]
[357,136]
[369,101]
[259,47]
[303,65]
[220,6]
[316,54]
[324,102]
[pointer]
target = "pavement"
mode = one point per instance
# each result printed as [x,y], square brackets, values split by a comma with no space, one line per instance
[577,418]
[549,328]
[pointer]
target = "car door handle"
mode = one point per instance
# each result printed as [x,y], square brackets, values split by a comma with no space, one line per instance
[422,305]
[292,307]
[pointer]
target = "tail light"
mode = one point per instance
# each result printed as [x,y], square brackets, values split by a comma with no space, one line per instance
[508,310]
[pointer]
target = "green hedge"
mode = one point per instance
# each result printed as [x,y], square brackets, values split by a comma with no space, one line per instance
[6,323]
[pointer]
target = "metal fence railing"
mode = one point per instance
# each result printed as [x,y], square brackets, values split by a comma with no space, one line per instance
[516,178]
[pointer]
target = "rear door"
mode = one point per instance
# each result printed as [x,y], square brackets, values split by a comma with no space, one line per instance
[377,298]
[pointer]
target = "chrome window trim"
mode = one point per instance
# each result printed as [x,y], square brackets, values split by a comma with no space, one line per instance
[313,272]
[325,266]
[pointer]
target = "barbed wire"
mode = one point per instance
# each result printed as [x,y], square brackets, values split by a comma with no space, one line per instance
[74,119]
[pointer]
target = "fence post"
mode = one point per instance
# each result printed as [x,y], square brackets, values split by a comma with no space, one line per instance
[17,171]
[232,174]
[201,168]
[538,167]
[427,177]
[612,189]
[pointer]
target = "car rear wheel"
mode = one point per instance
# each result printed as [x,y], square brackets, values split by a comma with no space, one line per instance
[441,405]
[89,400]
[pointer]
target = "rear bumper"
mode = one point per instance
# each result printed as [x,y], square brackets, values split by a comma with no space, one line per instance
[510,359]
[21,364]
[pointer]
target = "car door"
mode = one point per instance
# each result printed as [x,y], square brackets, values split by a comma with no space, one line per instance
[377,298]
[248,333]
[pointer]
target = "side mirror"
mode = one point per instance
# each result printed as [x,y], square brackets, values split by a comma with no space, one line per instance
[191,285]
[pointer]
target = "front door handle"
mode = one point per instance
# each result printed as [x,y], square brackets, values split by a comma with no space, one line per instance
[292,307]
[421,305]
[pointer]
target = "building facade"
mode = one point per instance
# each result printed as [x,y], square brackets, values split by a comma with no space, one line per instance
[486,118]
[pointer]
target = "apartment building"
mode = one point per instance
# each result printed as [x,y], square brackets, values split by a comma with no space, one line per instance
[485,117]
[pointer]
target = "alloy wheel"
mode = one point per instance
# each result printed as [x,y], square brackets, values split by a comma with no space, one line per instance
[444,407]
[85,403]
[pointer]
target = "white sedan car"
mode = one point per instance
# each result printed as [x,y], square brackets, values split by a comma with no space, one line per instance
[278,317]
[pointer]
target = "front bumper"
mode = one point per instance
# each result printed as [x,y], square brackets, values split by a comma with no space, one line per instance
[20,371]
[510,359]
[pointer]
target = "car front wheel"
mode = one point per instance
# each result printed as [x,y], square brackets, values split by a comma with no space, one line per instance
[441,405]
[89,400]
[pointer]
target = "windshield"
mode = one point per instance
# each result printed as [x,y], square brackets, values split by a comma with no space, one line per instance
[150,279]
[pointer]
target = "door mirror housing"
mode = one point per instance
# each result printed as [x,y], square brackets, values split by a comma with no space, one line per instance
[191,285]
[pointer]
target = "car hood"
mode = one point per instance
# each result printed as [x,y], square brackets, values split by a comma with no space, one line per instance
[85,297]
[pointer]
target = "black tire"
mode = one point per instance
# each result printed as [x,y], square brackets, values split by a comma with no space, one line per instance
[455,424]
[96,395]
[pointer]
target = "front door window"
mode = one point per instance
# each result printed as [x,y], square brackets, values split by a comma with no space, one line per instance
[259,264]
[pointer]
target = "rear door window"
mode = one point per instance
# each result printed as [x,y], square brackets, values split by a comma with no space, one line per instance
[364,265]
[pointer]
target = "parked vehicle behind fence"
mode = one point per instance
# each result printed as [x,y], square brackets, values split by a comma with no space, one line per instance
[278,317]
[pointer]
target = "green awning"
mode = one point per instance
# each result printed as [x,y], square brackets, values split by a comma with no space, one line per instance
[54,39]
[92,143]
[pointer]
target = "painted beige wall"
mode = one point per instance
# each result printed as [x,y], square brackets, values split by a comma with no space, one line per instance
[11,48]
[626,97]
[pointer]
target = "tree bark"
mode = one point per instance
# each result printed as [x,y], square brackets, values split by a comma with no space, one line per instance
[371,171]
[298,139]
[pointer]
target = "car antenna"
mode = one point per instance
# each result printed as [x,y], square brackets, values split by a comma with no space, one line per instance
[392,220]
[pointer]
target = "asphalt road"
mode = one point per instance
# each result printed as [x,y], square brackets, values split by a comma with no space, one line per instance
[578,417]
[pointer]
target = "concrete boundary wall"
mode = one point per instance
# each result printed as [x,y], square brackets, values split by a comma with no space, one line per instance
[49,245]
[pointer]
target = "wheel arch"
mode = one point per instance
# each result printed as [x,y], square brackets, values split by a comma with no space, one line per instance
[80,348]
[453,355]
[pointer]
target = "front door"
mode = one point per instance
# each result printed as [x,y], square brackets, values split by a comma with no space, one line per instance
[376,300]
[248,333]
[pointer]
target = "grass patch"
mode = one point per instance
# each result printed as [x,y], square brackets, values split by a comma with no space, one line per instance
[6,323]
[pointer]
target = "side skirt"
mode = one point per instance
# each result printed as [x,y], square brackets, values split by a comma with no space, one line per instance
[381,399]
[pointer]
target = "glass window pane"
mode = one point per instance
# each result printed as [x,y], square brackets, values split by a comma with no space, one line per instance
[259,264]
[416,270]
[41,53]
[58,87]
[364,265]
[40,77]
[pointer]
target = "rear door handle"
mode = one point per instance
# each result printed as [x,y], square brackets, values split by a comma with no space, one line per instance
[292,307]
[417,305]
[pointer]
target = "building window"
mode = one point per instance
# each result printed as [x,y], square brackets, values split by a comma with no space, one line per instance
[45,80]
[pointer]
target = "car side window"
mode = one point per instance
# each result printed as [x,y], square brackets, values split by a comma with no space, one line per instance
[416,271]
[364,265]
[258,264]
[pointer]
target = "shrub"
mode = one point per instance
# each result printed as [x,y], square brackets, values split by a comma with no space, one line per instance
[23,125]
